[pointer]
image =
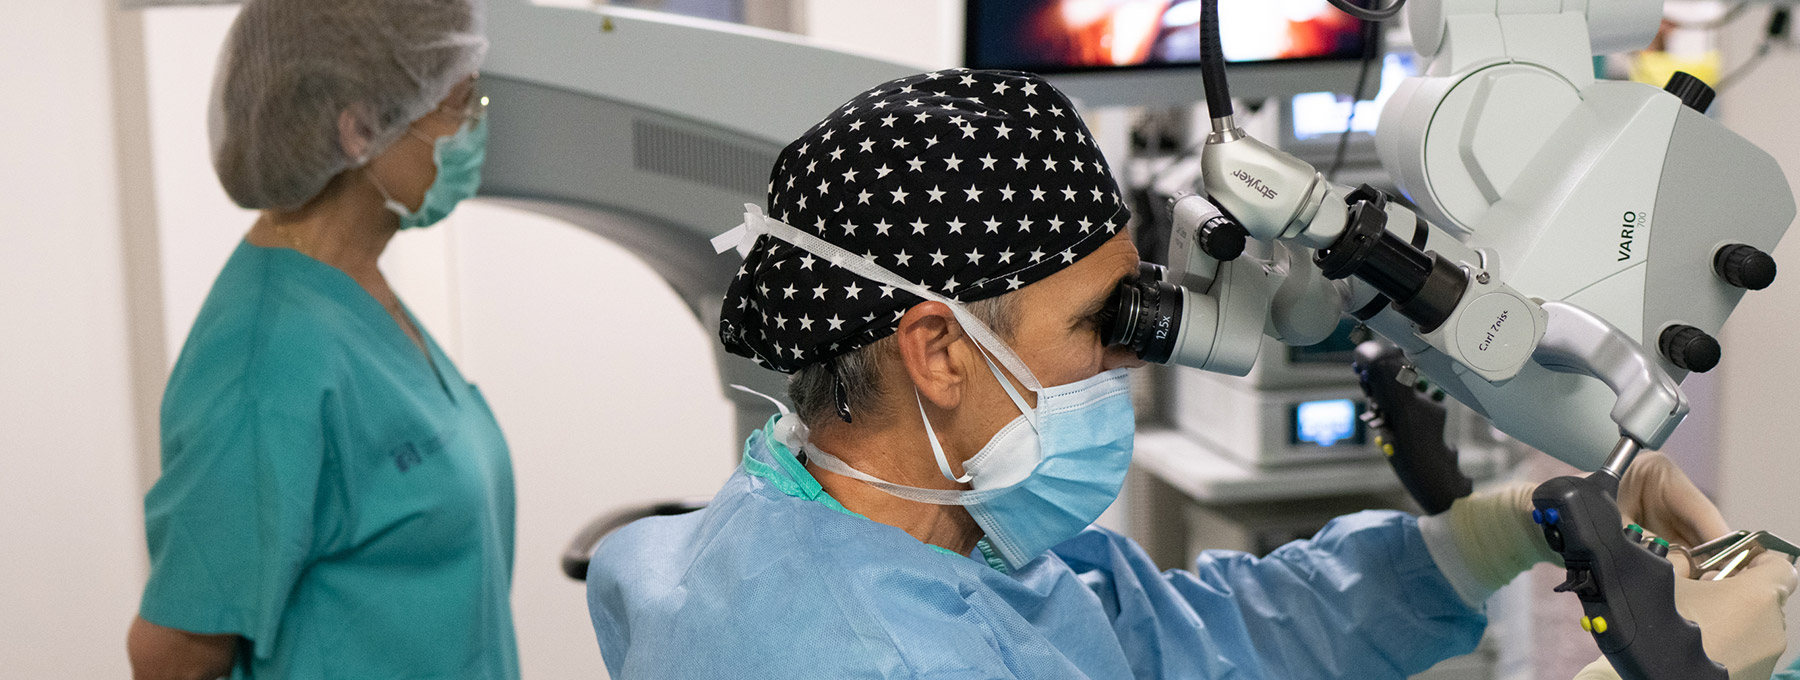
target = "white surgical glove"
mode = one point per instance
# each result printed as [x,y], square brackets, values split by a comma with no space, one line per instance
[1486,540]
[1658,496]
[1740,618]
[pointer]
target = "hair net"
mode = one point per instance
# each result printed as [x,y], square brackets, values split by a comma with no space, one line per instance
[290,68]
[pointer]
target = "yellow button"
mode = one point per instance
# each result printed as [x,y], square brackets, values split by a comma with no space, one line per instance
[1587,624]
[1599,624]
[1388,449]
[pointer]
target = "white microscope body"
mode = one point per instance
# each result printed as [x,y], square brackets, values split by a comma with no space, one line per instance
[1590,223]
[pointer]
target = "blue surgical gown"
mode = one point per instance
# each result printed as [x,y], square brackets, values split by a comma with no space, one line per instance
[326,493]
[775,579]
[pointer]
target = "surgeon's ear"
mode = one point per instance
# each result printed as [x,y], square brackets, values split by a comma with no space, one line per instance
[936,362]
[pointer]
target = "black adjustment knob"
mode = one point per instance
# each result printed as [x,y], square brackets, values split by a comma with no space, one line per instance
[1693,92]
[1744,266]
[1222,239]
[1689,348]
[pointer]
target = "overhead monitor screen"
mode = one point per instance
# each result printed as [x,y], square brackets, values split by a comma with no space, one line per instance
[1063,36]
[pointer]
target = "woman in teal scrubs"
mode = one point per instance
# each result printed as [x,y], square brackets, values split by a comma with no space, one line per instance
[336,501]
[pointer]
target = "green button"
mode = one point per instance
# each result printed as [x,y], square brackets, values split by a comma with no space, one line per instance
[1660,542]
[1634,527]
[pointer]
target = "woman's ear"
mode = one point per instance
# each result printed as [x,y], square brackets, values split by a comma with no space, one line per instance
[353,136]
[935,361]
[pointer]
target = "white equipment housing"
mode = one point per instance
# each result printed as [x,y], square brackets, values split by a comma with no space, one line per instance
[1612,196]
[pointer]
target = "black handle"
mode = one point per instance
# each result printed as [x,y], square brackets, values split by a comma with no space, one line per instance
[1409,429]
[1627,591]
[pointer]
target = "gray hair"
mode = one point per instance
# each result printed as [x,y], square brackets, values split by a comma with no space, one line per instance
[813,389]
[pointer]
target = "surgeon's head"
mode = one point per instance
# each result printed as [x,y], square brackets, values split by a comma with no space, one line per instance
[984,187]
[378,98]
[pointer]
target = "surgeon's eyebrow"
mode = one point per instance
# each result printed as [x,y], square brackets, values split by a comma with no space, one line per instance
[1091,312]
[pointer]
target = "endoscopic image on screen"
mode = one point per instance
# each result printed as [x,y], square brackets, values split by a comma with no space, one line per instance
[1053,36]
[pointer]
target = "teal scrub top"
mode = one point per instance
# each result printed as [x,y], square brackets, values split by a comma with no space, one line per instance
[328,494]
[1792,672]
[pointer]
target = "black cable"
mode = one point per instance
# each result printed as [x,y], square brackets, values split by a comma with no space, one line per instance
[1745,68]
[1777,29]
[1371,53]
[1212,62]
[1369,14]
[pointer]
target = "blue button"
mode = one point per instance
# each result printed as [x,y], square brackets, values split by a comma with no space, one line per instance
[1537,516]
[1550,516]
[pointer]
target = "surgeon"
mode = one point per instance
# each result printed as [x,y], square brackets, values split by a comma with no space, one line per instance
[336,500]
[933,269]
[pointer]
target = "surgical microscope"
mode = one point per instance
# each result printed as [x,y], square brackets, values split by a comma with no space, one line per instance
[1575,248]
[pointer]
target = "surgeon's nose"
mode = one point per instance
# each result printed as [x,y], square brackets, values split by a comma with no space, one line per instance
[1120,356]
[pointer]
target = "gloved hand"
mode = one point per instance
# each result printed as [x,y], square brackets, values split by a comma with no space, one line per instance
[1658,496]
[1740,618]
[1485,540]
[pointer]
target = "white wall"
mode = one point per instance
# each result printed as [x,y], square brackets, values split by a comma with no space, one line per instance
[927,33]
[71,547]
[1759,475]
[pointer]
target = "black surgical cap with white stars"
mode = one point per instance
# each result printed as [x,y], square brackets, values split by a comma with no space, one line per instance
[970,183]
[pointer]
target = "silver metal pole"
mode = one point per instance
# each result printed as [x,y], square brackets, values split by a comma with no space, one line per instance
[1621,457]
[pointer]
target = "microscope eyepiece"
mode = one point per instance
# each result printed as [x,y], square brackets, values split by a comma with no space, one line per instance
[1144,314]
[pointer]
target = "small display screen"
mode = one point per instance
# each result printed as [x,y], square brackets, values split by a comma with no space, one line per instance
[1323,114]
[1328,422]
[1060,36]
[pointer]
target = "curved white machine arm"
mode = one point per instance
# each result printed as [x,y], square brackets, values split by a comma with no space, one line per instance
[652,130]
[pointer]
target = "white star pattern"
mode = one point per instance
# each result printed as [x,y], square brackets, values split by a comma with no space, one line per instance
[988,242]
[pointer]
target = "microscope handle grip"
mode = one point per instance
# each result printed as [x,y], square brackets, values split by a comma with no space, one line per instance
[1409,430]
[1627,592]
[1650,403]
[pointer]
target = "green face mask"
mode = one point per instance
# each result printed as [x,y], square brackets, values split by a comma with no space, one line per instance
[458,158]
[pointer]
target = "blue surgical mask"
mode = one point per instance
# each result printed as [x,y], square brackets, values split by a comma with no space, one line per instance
[1046,475]
[458,158]
[1039,481]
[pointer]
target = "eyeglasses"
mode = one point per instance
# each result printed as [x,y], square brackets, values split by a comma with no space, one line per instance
[471,108]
